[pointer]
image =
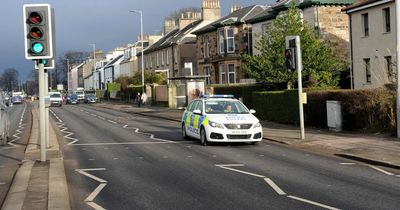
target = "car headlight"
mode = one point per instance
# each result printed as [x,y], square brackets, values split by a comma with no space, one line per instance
[216,125]
[257,125]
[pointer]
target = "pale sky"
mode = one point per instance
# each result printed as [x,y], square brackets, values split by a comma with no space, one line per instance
[106,23]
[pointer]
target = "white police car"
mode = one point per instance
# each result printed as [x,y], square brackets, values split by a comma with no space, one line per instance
[220,119]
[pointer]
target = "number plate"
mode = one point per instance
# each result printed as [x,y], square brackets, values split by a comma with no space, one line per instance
[239,132]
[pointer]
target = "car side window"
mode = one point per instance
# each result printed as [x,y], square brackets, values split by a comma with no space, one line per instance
[190,107]
[198,105]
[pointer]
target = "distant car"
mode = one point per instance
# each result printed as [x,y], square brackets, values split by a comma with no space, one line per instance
[17,100]
[72,99]
[90,98]
[55,99]
[220,119]
[4,123]
[81,95]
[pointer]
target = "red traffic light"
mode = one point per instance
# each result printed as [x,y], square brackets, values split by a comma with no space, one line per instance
[36,33]
[35,18]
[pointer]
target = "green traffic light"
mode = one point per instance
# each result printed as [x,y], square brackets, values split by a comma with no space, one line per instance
[37,47]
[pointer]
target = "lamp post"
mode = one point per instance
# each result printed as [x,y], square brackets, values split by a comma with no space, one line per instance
[141,40]
[94,65]
[68,86]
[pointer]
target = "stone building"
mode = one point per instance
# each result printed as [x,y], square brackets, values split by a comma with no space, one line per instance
[178,46]
[220,44]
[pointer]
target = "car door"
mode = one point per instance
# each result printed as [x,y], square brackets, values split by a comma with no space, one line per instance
[187,117]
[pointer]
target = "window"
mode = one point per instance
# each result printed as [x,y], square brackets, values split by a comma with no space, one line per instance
[158,58]
[222,77]
[264,29]
[231,73]
[221,41]
[386,19]
[206,46]
[365,24]
[230,40]
[389,66]
[207,72]
[162,57]
[176,55]
[367,69]
[167,56]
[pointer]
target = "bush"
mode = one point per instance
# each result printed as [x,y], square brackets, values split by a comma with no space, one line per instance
[277,106]
[372,110]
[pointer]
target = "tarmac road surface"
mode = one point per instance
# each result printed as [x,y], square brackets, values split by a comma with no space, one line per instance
[115,160]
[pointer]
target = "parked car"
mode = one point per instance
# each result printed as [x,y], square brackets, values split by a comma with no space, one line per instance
[4,124]
[55,99]
[220,119]
[17,99]
[90,98]
[72,99]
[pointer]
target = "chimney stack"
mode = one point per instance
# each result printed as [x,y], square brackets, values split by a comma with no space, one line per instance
[211,10]
[169,25]
[235,7]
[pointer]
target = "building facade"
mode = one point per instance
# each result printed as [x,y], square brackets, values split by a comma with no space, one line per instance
[220,44]
[373,43]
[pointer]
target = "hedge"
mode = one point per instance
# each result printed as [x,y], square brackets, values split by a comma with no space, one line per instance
[277,106]
[239,91]
[372,110]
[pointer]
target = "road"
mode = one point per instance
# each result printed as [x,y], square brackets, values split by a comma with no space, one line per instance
[116,160]
[12,154]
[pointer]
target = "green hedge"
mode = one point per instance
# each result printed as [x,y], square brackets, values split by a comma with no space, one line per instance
[372,110]
[277,106]
[242,91]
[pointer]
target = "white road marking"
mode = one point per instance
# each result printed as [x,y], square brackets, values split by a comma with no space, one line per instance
[115,158]
[21,127]
[312,202]
[347,163]
[113,122]
[214,156]
[274,186]
[102,118]
[68,134]
[398,175]
[227,167]
[126,143]
[381,170]
[91,159]
[125,126]
[262,155]
[189,156]
[86,112]
[92,196]
[94,115]
[2,183]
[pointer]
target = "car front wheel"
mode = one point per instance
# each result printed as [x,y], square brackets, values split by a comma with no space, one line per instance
[184,134]
[203,137]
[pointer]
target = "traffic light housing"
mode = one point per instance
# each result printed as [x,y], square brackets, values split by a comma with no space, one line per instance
[290,60]
[38,31]
[48,64]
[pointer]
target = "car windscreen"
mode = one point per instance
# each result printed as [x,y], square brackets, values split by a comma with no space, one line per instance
[90,96]
[55,95]
[79,93]
[225,107]
[73,96]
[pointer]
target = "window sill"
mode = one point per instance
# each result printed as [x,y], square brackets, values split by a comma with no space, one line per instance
[389,32]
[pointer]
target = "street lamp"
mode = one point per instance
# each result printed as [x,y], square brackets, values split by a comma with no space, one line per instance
[94,65]
[141,40]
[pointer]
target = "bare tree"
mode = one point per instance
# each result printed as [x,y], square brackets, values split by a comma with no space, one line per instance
[60,75]
[9,79]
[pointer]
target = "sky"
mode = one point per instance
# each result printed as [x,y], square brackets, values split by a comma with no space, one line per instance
[106,23]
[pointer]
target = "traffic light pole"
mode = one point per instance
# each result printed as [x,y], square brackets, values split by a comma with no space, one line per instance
[46,87]
[42,114]
[299,67]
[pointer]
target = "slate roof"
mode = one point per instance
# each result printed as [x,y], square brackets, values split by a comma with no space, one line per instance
[113,61]
[274,10]
[360,3]
[171,38]
[237,17]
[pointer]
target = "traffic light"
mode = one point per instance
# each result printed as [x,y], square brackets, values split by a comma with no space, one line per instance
[48,64]
[38,31]
[290,60]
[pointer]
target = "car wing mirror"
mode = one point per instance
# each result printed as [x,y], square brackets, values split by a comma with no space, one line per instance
[252,111]
[197,111]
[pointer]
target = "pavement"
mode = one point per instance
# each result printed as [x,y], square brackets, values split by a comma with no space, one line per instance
[39,185]
[377,149]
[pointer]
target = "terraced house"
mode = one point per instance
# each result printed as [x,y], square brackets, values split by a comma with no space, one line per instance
[178,46]
[220,44]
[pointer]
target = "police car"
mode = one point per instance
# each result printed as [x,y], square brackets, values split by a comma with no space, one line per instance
[219,118]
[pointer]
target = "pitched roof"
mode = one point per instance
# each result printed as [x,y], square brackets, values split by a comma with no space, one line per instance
[113,61]
[172,37]
[236,17]
[281,5]
[361,3]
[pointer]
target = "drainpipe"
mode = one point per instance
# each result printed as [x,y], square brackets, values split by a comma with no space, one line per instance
[351,55]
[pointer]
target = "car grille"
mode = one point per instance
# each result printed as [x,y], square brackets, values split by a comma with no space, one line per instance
[238,126]
[238,136]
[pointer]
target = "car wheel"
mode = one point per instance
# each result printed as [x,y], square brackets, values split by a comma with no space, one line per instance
[184,134]
[203,137]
